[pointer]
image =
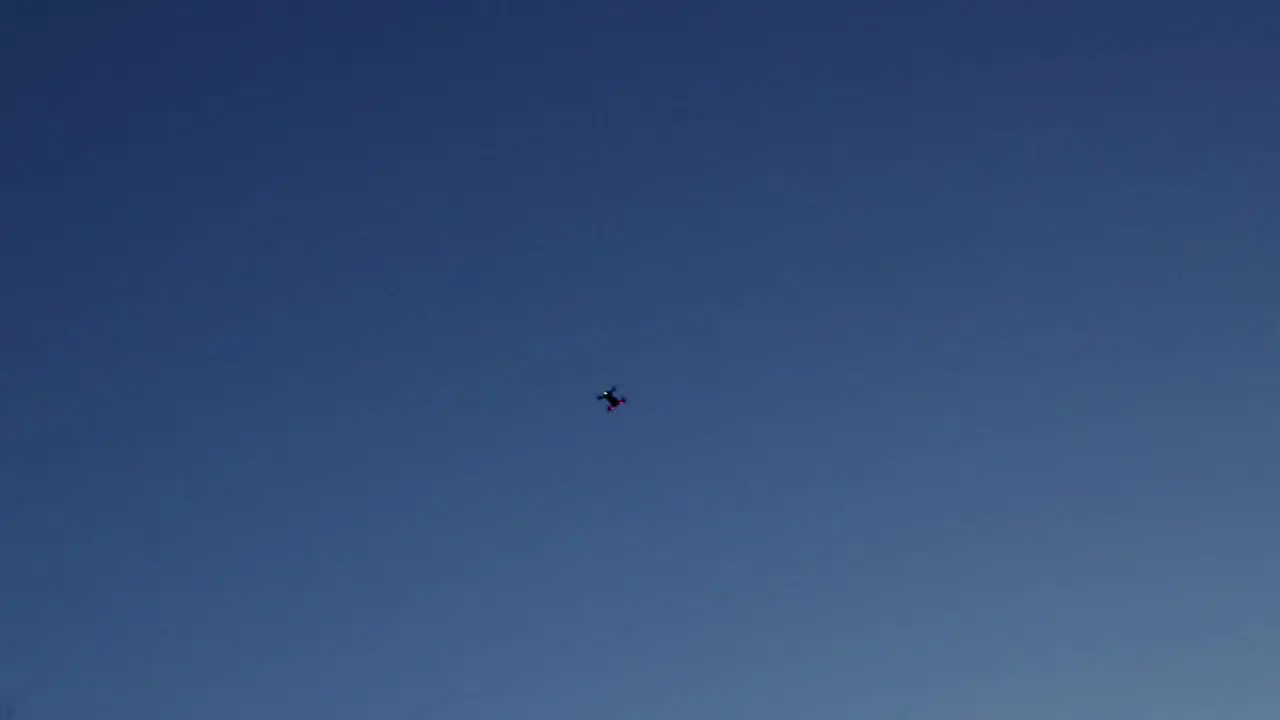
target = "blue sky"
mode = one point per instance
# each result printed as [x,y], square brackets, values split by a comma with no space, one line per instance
[949,332]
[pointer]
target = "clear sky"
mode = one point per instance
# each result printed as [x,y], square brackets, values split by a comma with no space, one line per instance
[949,331]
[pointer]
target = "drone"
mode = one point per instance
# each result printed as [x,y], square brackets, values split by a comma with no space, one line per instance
[614,400]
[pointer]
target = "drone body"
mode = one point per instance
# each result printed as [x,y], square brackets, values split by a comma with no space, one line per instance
[613,399]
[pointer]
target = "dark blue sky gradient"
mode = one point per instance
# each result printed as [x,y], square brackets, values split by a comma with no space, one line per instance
[949,329]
